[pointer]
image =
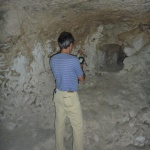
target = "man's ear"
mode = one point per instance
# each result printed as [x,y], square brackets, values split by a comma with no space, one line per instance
[70,47]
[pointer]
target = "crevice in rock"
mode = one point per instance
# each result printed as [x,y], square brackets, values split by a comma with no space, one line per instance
[110,58]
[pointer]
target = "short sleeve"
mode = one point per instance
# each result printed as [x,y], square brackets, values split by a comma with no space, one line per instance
[77,67]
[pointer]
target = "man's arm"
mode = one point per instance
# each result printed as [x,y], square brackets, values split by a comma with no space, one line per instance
[82,78]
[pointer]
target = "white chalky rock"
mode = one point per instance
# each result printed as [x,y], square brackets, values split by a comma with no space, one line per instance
[129,51]
[140,139]
[96,138]
[132,113]
[11,126]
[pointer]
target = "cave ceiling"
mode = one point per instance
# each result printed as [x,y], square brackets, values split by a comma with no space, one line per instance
[48,18]
[100,10]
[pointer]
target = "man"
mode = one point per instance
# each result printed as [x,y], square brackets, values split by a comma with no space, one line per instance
[67,71]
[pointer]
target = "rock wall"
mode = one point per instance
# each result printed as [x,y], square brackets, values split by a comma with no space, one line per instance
[114,114]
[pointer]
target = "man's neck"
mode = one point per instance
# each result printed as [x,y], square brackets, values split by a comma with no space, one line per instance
[66,51]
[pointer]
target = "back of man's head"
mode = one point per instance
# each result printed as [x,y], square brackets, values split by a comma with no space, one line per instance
[65,39]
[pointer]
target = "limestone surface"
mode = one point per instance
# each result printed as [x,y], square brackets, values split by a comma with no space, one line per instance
[114,38]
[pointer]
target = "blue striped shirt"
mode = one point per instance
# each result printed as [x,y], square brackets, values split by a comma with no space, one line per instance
[66,70]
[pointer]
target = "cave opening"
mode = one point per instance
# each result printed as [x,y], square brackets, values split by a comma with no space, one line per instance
[110,58]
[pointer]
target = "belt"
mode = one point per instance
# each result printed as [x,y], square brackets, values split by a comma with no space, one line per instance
[70,91]
[66,91]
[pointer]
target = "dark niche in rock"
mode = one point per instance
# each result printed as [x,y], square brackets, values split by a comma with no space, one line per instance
[110,58]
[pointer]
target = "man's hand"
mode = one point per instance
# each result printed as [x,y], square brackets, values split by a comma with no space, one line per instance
[82,78]
[82,66]
[82,60]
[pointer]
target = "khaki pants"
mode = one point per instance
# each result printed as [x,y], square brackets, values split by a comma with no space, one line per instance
[67,105]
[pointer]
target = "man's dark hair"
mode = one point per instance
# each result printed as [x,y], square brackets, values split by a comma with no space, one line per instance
[65,39]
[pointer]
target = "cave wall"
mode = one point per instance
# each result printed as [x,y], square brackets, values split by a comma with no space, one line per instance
[29,32]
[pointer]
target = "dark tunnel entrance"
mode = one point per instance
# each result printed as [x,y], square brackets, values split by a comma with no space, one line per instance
[110,58]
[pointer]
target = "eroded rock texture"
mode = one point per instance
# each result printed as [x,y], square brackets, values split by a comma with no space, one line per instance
[114,38]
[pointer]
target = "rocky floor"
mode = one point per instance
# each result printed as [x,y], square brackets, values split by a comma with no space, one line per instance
[116,116]
[116,113]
